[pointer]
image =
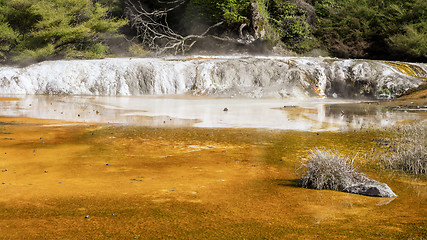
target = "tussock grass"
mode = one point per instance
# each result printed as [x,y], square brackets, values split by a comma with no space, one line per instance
[407,150]
[325,169]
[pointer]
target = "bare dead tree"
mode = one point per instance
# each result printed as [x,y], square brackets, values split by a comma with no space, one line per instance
[153,29]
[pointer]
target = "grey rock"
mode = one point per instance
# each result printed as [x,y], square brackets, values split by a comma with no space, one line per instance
[372,188]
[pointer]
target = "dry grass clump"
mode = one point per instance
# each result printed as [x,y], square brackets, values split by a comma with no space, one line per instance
[407,151]
[325,169]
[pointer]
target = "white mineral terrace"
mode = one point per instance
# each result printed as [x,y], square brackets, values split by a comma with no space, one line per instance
[255,77]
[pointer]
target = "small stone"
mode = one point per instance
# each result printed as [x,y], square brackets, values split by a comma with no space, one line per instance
[225,109]
[87,216]
[45,171]
[107,164]
[3,183]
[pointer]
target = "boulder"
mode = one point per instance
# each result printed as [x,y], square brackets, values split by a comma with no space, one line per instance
[372,188]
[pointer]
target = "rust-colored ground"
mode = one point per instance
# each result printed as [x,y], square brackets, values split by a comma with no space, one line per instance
[152,183]
[8,99]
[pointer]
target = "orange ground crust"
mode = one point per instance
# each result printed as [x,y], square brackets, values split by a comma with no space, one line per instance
[186,183]
[8,99]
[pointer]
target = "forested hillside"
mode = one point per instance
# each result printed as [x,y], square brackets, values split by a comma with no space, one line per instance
[36,30]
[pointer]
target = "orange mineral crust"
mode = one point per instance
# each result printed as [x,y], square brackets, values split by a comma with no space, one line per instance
[64,180]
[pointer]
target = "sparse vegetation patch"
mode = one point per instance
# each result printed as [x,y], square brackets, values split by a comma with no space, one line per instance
[407,150]
[326,169]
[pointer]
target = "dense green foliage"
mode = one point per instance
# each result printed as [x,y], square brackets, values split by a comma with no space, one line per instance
[39,29]
[373,29]
[290,22]
[383,29]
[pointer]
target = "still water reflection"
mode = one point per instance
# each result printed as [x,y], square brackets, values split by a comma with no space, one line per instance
[176,111]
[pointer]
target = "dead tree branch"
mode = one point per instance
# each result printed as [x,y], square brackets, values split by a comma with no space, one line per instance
[155,33]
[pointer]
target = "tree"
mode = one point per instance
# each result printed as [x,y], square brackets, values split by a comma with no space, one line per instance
[46,28]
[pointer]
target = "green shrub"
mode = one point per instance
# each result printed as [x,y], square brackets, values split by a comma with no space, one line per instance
[291,24]
[38,54]
[235,11]
[137,50]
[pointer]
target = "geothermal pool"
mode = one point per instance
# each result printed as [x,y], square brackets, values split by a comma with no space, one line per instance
[307,114]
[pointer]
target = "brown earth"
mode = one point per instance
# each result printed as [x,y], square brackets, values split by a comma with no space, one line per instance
[187,183]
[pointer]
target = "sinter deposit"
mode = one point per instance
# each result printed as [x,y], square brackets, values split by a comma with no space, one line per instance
[216,76]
